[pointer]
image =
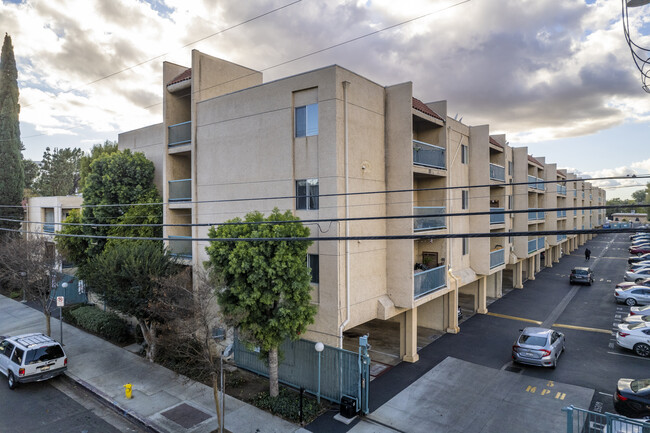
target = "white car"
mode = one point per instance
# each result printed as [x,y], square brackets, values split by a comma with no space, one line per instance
[31,358]
[643,311]
[636,318]
[638,276]
[635,336]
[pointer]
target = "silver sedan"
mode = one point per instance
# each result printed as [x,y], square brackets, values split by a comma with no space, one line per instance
[538,346]
[635,295]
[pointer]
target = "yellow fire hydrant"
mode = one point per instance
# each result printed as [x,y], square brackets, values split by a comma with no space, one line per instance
[128,390]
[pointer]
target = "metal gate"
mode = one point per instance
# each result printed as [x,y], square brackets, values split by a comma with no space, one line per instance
[331,374]
[585,421]
[74,293]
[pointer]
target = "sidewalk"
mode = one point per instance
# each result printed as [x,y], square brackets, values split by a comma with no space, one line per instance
[162,400]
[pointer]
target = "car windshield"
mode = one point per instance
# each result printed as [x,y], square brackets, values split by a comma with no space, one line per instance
[532,340]
[640,385]
[580,271]
[42,354]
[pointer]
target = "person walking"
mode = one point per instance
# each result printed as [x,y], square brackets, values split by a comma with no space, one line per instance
[587,254]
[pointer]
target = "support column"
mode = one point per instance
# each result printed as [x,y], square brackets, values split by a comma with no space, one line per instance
[530,262]
[451,302]
[481,296]
[408,341]
[517,276]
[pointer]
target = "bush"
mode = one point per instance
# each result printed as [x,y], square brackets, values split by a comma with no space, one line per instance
[287,405]
[105,324]
[67,313]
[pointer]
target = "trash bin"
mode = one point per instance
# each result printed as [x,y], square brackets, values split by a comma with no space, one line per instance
[348,407]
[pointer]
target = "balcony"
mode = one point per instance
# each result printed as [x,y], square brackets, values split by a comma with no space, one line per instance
[561,214]
[180,190]
[497,218]
[48,228]
[180,246]
[535,215]
[540,243]
[179,134]
[561,189]
[497,258]
[497,172]
[429,155]
[429,281]
[532,246]
[431,221]
[536,183]
[560,238]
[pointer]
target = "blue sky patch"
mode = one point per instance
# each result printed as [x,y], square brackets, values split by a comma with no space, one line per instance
[160,7]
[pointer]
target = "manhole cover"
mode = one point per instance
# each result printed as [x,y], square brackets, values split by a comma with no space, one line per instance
[186,415]
[513,369]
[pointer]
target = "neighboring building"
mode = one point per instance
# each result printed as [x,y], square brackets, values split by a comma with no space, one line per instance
[44,214]
[292,143]
[630,217]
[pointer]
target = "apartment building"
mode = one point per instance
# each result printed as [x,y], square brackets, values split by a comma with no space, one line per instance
[44,214]
[330,145]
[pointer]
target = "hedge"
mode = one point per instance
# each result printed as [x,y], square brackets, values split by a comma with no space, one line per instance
[105,324]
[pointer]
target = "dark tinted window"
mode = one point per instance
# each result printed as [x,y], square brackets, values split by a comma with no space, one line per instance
[640,385]
[580,271]
[6,348]
[17,358]
[533,340]
[42,354]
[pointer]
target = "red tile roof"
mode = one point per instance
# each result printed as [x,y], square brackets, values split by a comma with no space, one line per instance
[534,161]
[181,77]
[496,143]
[422,107]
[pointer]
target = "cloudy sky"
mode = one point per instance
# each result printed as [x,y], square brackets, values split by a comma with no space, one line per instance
[554,75]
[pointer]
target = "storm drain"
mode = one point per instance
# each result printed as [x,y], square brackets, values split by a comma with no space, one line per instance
[185,415]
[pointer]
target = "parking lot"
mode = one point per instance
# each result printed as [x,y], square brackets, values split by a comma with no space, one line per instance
[480,354]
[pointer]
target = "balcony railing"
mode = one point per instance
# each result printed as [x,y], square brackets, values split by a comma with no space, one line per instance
[48,228]
[432,222]
[429,155]
[497,218]
[532,182]
[180,190]
[540,243]
[561,214]
[180,246]
[181,133]
[540,184]
[429,281]
[497,172]
[561,189]
[532,245]
[535,215]
[560,238]
[497,258]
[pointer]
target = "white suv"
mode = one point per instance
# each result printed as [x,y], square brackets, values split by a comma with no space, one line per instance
[31,358]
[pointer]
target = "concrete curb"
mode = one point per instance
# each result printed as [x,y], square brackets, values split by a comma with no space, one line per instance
[112,404]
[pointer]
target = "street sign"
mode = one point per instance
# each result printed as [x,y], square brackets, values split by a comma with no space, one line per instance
[60,301]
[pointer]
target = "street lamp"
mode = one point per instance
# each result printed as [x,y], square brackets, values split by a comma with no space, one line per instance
[65,286]
[225,353]
[23,277]
[319,348]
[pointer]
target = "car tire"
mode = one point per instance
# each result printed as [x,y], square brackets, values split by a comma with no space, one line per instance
[642,349]
[630,301]
[11,380]
[554,362]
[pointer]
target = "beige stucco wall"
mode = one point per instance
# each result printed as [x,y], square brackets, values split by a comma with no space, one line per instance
[150,141]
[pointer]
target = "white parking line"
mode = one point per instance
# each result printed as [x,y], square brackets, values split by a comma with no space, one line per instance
[629,356]
[604,393]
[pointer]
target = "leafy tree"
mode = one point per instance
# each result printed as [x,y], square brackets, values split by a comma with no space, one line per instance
[126,277]
[12,177]
[639,196]
[31,170]
[30,263]
[141,213]
[620,206]
[96,152]
[266,284]
[73,248]
[59,174]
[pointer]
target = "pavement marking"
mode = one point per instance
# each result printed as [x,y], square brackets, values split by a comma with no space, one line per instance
[521,319]
[604,393]
[629,356]
[560,396]
[583,328]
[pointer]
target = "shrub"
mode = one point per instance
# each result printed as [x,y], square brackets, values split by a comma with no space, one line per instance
[67,313]
[287,405]
[105,324]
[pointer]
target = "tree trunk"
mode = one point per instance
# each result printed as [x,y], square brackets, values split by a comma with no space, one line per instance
[48,326]
[215,391]
[149,335]
[274,389]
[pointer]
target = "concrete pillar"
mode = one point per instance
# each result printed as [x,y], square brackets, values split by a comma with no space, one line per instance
[408,341]
[495,285]
[556,253]
[481,296]
[452,312]
[530,262]
[517,275]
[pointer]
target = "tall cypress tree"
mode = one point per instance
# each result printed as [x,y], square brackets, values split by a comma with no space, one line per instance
[12,176]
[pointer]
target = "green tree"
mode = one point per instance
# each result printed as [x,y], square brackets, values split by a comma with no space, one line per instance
[59,174]
[96,152]
[620,206]
[127,276]
[73,248]
[266,284]
[31,170]
[12,177]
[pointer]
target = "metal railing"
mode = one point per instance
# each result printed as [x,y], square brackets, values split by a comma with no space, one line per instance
[497,258]
[429,281]
[180,246]
[586,421]
[561,189]
[48,227]
[535,215]
[497,172]
[532,182]
[180,190]
[497,218]
[181,133]
[540,243]
[540,184]
[429,155]
[561,214]
[429,222]
[532,245]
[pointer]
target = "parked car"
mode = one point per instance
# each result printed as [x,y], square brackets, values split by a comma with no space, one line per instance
[581,275]
[31,358]
[643,249]
[635,295]
[636,318]
[643,310]
[634,336]
[628,284]
[642,257]
[538,346]
[637,276]
[639,265]
[632,397]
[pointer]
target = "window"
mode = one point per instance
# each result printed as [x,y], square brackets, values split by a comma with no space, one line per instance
[307,194]
[510,202]
[313,265]
[464,154]
[307,120]
[6,348]
[17,357]
[465,199]
[510,168]
[465,246]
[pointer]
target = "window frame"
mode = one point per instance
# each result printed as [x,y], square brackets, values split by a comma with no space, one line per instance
[464,198]
[310,198]
[306,120]
[464,154]
[311,259]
